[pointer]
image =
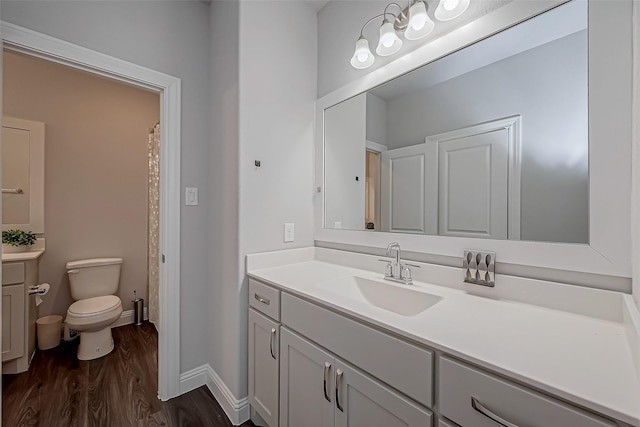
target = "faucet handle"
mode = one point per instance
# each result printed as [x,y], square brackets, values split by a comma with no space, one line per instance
[412,265]
[405,274]
[388,269]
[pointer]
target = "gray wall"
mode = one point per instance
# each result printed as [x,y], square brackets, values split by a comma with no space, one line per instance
[225,298]
[172,37]
[547,86]
[376,119]
[344,159]
[278,65]
[94,127]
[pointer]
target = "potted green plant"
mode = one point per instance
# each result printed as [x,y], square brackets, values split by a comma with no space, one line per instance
[17,240]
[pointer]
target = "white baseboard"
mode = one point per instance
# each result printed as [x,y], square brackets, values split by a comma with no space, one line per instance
[237,410]
[126,318]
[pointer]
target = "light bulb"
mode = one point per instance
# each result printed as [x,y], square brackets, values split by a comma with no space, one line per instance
[420,25]
[450,9]
[362,57]
[389,42]
[449,5]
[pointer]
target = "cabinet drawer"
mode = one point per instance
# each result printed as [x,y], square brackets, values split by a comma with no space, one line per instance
[460,383]
[264,299]
[404,366]
[12,273]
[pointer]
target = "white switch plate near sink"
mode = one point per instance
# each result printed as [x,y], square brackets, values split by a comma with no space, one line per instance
[191,196]
[288,231]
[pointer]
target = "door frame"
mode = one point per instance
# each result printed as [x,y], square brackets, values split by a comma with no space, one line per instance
[374,147]
[32,43]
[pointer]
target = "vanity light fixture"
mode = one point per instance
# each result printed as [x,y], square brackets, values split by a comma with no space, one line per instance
[413,21]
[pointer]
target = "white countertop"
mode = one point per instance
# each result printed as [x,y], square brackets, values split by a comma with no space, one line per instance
[588,360]
[23,256]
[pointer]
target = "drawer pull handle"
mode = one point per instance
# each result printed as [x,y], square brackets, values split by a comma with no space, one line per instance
[273,336]
[262,299]
[327,368]
[338,381]
[475,404]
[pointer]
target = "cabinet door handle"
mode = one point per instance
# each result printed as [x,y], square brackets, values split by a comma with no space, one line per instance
[475,404]
[327,368]
[338,381]
[273,336]
[262,299]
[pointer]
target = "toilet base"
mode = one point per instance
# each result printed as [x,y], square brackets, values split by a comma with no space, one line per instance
[94,345]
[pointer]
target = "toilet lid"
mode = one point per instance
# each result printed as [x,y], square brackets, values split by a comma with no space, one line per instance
[94,306]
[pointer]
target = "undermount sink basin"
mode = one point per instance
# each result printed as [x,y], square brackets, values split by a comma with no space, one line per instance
[399,299]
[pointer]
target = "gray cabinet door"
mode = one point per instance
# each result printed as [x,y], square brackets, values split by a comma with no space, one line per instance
[364,402]
[263,366]
[306,379]
[12,322]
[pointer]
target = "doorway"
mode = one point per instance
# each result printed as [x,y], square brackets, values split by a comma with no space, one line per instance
[21,40]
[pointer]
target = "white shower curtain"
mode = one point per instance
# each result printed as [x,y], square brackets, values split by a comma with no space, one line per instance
[153,259]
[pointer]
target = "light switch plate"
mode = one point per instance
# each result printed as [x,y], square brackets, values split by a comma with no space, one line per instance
[191,196]
[288,231]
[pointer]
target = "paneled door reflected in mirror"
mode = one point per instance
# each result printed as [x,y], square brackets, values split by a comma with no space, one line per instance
[490,141]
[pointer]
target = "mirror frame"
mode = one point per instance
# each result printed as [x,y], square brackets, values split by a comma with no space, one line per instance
[610,124]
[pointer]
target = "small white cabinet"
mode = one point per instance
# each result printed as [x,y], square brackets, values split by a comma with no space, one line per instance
[19,312]
[263,366]
[321,390]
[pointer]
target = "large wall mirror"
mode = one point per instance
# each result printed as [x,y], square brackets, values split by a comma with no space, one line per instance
[490,141]
[511,134]
[22,175]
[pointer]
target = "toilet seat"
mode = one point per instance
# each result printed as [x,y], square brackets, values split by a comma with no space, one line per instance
[94,313]
[96,306]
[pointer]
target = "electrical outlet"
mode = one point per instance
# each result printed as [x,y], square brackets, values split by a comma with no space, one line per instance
[289,231]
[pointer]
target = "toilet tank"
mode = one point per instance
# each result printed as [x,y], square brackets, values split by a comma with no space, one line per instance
[94,277]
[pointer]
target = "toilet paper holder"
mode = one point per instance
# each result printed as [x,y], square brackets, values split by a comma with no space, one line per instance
[37,290]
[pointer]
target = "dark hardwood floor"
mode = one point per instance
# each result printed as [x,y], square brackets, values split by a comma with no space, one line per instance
[117,390]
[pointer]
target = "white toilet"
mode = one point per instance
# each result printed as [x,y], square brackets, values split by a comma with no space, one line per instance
[93,285]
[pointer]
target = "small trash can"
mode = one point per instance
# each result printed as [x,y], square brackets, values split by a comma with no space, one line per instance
[48,331]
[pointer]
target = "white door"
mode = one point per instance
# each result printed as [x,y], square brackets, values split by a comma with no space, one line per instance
[408,191]
[307,393]
[473,175]
[12,322]
[364,402]
[263,366]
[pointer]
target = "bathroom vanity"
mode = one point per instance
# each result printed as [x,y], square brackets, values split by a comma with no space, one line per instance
[19,311]
[332,343]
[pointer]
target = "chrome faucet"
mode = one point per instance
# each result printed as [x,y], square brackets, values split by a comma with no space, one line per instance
[396,271]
